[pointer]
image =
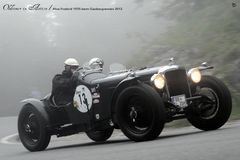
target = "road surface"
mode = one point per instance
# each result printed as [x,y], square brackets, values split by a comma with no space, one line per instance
[185,143]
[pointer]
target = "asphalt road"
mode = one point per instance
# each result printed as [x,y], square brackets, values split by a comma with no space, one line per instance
[185,143]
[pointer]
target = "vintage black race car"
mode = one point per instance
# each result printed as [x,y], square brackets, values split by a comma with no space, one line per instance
[139,102]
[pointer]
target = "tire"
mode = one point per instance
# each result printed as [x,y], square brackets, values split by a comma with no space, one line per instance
[140,113]
[32,129]
[217,113]
[100,136]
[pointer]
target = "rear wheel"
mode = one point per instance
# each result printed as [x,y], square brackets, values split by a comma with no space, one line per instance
[100,136]
[32,129]
[140,113]
[214,109]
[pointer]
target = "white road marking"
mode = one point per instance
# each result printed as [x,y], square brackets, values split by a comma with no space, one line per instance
[9,139]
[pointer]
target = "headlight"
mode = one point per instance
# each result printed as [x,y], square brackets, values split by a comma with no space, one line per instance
[158,80]
[195,75]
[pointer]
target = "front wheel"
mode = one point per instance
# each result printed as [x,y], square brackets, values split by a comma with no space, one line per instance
[214,108]
[32,129]
[140,113]
[100,136]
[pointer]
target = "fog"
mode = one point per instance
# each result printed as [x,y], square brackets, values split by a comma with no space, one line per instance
[34,44]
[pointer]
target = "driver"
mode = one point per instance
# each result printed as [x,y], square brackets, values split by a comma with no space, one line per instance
[63,85]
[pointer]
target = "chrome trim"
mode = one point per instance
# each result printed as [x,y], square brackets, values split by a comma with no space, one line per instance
[168,93]
[172,68]
[193,98]
[189,88]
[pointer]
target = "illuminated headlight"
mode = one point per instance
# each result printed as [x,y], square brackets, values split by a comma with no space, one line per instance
[158,80]
[195,75]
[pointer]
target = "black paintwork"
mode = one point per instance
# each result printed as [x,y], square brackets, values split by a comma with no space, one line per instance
[108,86]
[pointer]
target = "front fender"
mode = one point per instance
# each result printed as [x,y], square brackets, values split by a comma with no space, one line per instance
[120,87]
[39,105]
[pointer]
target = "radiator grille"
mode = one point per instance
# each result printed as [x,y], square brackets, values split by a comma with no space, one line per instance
[177,82]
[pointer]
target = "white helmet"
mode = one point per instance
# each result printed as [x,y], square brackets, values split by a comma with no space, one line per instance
[96,63]
[71,62]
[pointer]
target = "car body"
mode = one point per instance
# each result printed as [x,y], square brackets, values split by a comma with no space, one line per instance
[139,102]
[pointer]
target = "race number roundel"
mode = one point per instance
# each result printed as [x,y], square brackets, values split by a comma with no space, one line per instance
[82,99]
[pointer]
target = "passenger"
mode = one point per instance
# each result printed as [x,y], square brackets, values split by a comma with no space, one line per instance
[96,64]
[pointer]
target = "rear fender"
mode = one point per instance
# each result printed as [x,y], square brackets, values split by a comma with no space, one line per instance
[39,105]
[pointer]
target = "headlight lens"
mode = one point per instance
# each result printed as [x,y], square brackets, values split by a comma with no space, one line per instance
[158,80]
[195,75]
